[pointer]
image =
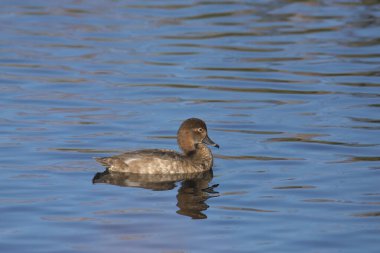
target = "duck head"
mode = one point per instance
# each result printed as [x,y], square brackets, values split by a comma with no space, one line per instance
[192,132]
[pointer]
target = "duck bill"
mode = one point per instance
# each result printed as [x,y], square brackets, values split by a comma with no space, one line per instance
[208,141]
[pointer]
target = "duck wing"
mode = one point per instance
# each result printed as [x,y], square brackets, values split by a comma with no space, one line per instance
[149,161]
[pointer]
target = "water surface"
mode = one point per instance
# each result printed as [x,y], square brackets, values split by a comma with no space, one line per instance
[289,89]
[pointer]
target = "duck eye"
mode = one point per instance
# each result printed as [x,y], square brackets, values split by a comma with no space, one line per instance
[200,130]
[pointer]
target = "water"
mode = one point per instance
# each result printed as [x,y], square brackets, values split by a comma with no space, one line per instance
[289,89]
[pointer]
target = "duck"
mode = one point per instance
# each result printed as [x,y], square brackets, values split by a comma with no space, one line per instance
[192,139]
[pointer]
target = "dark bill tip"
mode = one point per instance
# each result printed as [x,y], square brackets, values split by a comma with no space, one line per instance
[208,141]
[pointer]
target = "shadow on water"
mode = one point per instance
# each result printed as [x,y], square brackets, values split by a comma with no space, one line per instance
[192,195]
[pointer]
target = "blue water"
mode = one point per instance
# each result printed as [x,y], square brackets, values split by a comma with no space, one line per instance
[290,90]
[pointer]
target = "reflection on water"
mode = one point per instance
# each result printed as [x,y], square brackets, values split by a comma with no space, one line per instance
[192,194]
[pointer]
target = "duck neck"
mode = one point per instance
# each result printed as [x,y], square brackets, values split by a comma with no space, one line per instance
[201,156]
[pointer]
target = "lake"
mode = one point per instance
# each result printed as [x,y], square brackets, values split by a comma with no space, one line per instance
[290,90]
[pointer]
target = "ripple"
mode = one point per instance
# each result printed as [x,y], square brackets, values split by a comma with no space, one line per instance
[209,35]
[246,209]
[234,193]
[255,79]
[362,159]
[292,187]
[258,158]
[224,47]
[367,215]
[28,200]
[213,15]
[366,120]
[126,211]
[235,89]
[66,219]
[320,200]
[85,150]
[308,138]
[247,131]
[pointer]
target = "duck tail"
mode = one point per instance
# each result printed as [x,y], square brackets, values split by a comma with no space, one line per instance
[103,160]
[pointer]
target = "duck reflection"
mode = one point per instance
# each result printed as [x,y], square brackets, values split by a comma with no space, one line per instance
[195,188]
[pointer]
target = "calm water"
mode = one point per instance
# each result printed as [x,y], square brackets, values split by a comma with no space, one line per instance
[289,89]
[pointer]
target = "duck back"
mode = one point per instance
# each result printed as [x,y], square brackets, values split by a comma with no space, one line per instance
[149,161]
